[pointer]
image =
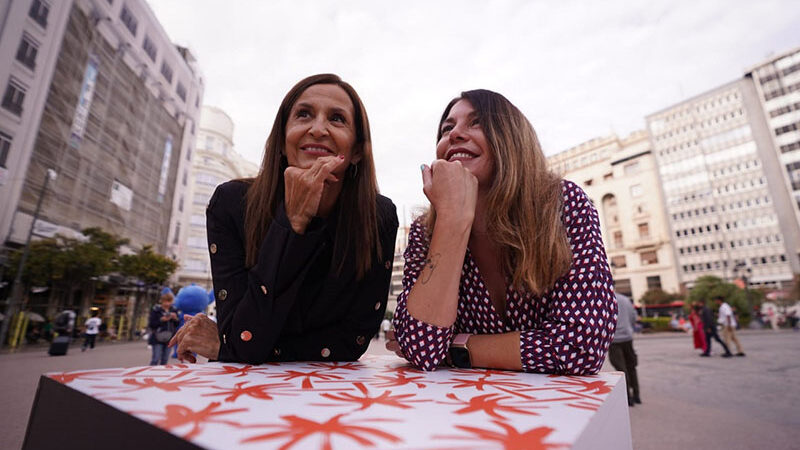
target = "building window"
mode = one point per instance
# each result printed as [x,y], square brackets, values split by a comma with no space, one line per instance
[166,71]
[618,239]
[649,258]
[623,286]
[181,91]
[38,12]
[13,98]
[644,231]
[128,20]
[653,282]
[26,53]
[5,147]
[636,190]
[149,48]
[631,168]
[177,238]
[180,204]
[618,262]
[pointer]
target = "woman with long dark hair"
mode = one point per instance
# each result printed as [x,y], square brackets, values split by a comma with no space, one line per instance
[301,254]
[507,269]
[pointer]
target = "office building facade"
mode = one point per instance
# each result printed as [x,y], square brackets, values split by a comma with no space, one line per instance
[96,91]
[617,175]
[728,208]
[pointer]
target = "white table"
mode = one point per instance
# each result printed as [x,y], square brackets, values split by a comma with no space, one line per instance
[378,402]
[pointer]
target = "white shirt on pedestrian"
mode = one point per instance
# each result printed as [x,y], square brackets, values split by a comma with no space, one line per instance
[93,325]
[726,311]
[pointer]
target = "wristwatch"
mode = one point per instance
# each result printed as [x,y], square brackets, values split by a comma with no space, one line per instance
[459,353]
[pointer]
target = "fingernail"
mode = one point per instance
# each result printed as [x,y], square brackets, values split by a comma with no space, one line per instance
[341,156]
[422,167]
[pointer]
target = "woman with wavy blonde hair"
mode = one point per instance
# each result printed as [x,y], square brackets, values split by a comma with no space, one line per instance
[507,269]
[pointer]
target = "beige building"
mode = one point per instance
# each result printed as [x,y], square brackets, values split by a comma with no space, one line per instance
[214,162]
[620,177]
[730,212]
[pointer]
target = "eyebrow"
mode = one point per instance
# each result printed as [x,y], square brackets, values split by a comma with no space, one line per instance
[335,109]
[471,115]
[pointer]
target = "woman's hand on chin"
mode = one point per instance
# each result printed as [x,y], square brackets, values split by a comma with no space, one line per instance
[452,190]
[304,189]
[199,335]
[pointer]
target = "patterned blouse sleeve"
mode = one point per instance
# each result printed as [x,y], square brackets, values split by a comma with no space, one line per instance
[423,345]
[581,310]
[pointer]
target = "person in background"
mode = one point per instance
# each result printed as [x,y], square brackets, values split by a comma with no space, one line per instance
[162,323]
[728,321]
[507,269]
[710,330]
[92,328]
[621,353]
[697,327]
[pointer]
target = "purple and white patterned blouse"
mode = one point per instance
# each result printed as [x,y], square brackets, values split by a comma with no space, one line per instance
[567,330]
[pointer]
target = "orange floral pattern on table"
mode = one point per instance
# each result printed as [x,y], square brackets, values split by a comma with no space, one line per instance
[377,402]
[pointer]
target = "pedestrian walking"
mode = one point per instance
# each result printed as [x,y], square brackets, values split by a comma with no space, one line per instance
[727,319]
[163,322]
[710,330]
[92,325]
[621,353]
[697,327]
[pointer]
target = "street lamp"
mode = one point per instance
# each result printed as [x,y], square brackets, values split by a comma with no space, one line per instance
[742,267]
[16,293]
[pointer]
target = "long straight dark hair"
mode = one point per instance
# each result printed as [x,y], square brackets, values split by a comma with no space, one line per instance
[524,201]
[357,226]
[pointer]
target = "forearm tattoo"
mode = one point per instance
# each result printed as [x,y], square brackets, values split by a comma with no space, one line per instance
[431,262]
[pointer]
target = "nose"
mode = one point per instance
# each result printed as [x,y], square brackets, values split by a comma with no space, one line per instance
[319,127]
[457,133]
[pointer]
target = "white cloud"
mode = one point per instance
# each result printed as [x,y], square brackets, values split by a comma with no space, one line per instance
[577,69]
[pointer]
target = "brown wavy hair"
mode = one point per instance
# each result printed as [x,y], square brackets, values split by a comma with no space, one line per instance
[525,200]
[357,226]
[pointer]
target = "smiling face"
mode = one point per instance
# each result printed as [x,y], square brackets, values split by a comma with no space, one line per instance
[462,139]
[321,123]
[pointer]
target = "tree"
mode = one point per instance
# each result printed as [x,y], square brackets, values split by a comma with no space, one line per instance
[659,297]
[708,287]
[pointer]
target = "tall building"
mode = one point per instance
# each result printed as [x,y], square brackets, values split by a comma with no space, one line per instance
[777,82]
[728,206]
[617,175]
[96,91]
[214,162]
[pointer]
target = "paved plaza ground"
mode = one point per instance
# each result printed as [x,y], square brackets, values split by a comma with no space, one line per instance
[705,403]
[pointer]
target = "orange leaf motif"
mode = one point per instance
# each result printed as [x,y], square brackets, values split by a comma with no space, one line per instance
[510,438]
[259,391]
[176,416]
[298,428]
[365,400]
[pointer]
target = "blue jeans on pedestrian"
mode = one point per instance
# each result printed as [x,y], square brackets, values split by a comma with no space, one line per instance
[160,354]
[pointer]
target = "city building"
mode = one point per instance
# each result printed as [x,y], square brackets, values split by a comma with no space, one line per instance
[727,203]
[96,91]
[213,163]
[777,82]
[617,175]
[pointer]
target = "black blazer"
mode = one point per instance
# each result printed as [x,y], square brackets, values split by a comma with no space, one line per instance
[291,306]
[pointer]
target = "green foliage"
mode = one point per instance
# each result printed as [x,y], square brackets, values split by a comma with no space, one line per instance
[659,297]
[41,265]
[147,266]
[708,287]
[656,323]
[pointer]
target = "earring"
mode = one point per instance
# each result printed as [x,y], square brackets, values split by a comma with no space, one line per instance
[354,171]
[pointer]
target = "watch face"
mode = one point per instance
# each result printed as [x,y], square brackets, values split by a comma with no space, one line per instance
[460,357]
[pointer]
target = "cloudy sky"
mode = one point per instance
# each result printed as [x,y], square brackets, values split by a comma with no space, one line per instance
[577,69]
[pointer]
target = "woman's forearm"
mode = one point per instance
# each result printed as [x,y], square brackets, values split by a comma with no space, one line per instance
[434,297]
[495,351]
